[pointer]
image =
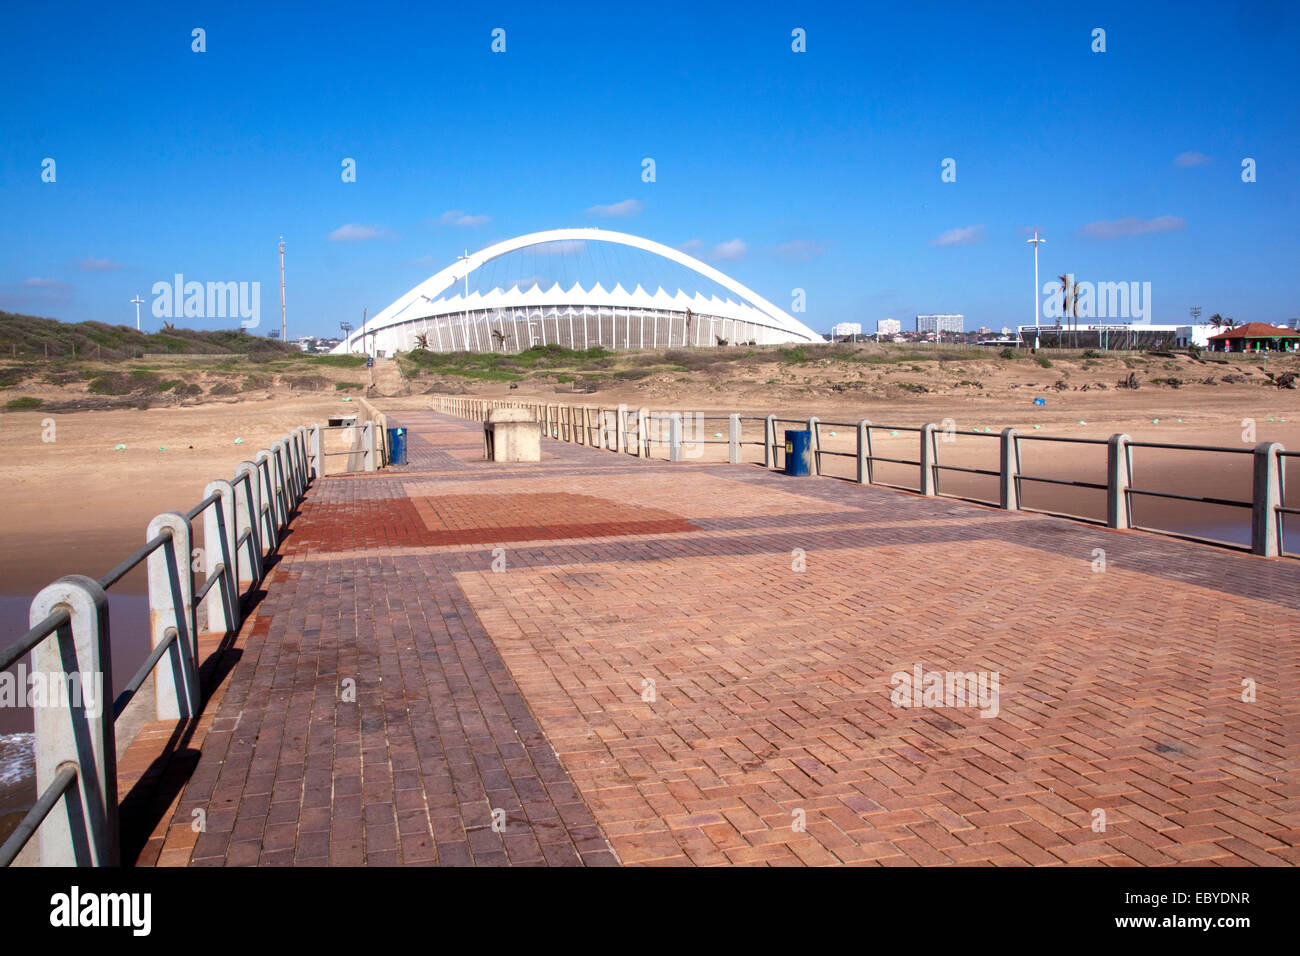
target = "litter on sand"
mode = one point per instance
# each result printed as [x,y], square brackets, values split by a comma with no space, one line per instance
[119,448]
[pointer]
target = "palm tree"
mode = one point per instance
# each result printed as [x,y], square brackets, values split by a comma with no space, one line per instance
[422,340]
[1066,293]
[1216,320]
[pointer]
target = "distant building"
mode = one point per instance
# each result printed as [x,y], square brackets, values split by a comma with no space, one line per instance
[1256,337]
[846,328]
[939,323]
[888,327]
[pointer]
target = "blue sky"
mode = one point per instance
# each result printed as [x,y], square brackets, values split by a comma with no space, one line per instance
[817,170]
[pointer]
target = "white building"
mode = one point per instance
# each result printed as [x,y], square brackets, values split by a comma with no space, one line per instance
[846,328]
[939,323]
[888,327]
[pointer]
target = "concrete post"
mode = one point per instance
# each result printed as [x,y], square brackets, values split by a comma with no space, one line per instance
[733,439]
[814,445]
[171,603]
[219,549]
[278,455]
[1009,471]
[620,423]
[77,727]
[246,515]
[1118,512]
[643,432]
[1266,521]
[268,510]
[769,442]
[317,460]
[866,467]
[928,484]
[675,436]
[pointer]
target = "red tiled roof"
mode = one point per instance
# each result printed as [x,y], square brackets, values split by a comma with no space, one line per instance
[1256,330]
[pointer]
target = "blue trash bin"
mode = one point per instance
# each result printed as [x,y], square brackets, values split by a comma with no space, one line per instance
[397,446]
[798,453]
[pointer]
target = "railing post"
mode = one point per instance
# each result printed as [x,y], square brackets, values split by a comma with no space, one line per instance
[171,602]
[733,439]
[219,549]
[1009,471]
[769,442]
[368,445]
[1266,520]
[814,444]
[643,432]
[620,426]
[268,510]
[927,460]
[279,452]
[246,519]
[77,727]
[866,465]
[675,436]
[1118,512]
[317,460]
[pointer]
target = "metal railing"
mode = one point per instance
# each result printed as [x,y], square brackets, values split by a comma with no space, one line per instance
[1267,504]
[75,750]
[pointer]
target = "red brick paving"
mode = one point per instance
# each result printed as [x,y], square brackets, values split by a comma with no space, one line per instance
[523,690]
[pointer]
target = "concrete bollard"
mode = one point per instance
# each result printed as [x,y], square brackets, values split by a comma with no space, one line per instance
[1266,520]
[675,436]
[1009,471]
[733,439]
[171,605]
[267,507]
[77,727]
[928,484]
[815,445]
[219,550]
[866,466]
[769,442]
[315,458]
[643,432]
[247,511]
[1118,512]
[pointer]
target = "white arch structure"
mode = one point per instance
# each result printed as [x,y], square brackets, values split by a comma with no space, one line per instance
[514,318]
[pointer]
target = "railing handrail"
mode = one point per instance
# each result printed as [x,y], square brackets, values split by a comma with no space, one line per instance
[235,554]
[1268,503]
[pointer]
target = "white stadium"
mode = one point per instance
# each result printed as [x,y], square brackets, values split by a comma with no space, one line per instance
[577,288]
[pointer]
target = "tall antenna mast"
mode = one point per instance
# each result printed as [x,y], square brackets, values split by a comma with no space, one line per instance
[284,327]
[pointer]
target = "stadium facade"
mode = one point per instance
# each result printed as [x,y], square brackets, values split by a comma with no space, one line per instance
[513,314]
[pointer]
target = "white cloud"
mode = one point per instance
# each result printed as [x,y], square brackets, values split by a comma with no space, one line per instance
[1123,228]
[1191,158]
[38,282]
[458,217]
[93,264]
[729,251]
[965,236]
[691,246]
[618,210]
[355,233]
[799,250]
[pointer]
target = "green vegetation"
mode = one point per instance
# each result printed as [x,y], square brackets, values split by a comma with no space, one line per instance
[1043,360]
[18,404]
[347,386]
[29,336]
[338,361]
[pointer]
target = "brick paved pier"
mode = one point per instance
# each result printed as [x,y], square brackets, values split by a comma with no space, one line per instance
[522,690]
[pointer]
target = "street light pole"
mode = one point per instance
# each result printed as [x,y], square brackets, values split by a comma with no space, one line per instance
[1036,242]
[138,301]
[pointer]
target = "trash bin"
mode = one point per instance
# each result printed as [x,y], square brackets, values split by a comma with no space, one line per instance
[798,449]
[397,446]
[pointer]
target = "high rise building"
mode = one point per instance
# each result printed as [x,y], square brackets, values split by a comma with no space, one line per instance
[939,323]
[888,327]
